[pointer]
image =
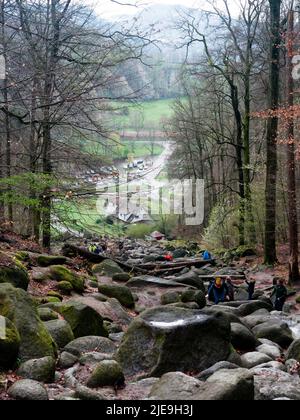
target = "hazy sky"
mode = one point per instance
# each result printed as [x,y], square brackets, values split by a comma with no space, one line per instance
[106,8]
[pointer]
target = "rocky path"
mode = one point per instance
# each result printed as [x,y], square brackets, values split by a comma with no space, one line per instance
[82,331]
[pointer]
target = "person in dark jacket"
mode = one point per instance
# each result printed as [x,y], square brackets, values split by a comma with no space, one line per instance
[280,292]
[230,289]
[251,288]
[219,290]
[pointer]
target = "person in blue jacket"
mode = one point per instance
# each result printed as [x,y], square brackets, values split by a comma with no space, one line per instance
[206,256]
[219,290]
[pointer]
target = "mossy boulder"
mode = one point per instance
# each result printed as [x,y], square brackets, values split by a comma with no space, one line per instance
[42,370]
[53,293]
[22,256]
[49,260]
[167,339]
[21,310]
[61,273]
[200,299]
[121,277]
[9,343]
[84,320]
[91,344]
[65,287]
[107,268]
[46,314]
[188,296]
[60,331]
[170,297]
[106,373]
[121,293]
[15,275]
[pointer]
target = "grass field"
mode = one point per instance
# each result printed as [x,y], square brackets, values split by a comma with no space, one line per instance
[83,216]
[139,148]
[148,115]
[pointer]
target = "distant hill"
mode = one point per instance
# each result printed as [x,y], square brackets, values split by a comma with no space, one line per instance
[161,80]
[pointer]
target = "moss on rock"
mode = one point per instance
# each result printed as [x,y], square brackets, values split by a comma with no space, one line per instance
[21,310]
[106,373]
[83,319]
[16,275]
[49,260]
[65,287]
[121,293]
[107,268]
[60,273]
[9,343]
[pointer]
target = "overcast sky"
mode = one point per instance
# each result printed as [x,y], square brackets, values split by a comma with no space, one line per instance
[107,8]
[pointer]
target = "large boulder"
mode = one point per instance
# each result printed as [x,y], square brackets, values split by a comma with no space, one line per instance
[148,281]
[242,338]
[269,350]
[166,339]
[60,331]
[254,358]
[294,351]
[237,384]
[121,293]
[20,309]
[28,390]
[106,373]
[46,314]
[90,344]
[253,306]
[107,268]
[9,343]
[175,386]
[253,320]
[60,274]
[15,275]
[191,279]
[83,320]
[276,331]
[234,385]
[272,384]
[41,370]
[170,297]
[110,309]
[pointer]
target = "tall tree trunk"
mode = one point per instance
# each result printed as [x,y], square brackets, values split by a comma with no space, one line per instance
[34,212]
[6,107]
[272,128]
[294,275]
[247,159]
[239,159]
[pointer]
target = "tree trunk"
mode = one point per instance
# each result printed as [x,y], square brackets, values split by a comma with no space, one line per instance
[239,159]
[7,118]
[247,159]
[294,275]
[272,127]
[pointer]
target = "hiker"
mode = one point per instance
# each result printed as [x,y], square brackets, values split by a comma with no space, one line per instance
[251,288]
[230,289]
[206,256]
[95,249]
[280,292]
[219,290]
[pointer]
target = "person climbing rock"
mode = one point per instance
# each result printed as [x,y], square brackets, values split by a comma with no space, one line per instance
[280,292]
[219,290]
[251,288]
